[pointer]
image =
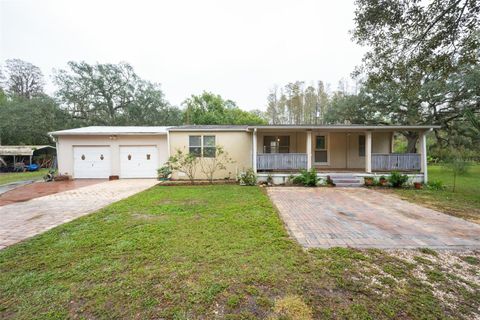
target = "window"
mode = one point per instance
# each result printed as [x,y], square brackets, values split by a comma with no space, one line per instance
[276,144]
[361,146]
[209,146]
[202,146]
[321,153]
[195,145]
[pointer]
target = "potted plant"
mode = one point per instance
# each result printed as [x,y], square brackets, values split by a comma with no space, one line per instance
[330,182]
[369,181]
[417,185]
[270,180]
[164,173]
[383,181]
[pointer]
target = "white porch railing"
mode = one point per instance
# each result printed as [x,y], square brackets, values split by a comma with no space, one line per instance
[281,161]
[395,161]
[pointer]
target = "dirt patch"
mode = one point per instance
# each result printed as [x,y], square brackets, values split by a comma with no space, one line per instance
[148,217]
[189,202]
[197,183]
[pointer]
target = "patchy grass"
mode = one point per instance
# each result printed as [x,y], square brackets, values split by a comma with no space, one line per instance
[21,176]
[206,252]
[463,203]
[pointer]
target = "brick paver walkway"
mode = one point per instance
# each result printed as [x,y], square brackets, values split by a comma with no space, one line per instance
[362,218]
[39,189]
[23,220]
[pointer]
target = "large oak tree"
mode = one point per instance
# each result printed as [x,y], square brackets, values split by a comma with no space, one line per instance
[112,94]
[22,78]
[422,66]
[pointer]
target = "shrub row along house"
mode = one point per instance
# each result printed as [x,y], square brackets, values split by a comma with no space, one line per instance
[270,150]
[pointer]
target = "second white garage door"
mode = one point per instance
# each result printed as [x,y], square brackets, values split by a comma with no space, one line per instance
[138,161]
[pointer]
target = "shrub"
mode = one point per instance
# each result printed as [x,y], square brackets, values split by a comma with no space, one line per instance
[248,178]
[329,182]
[307,178]
[397,180]
[164,172]
[219,161]
[459,166]
[270,179]
[184,162]
[435,185]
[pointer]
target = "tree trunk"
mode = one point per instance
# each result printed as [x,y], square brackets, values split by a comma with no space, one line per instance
[412,138]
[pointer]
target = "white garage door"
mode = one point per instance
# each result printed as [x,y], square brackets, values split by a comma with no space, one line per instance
[91,162]
[138,162]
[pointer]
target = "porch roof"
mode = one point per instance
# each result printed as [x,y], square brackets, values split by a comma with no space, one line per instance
[348,127]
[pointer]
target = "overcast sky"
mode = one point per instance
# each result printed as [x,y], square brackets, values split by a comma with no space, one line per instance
[238,49]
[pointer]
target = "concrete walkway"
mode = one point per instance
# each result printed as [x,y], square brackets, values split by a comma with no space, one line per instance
[23,220]
[362,218]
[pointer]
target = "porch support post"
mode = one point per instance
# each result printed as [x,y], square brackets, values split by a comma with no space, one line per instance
[309,149]
[423,155]
[254,151]
[392,143]
[368,151]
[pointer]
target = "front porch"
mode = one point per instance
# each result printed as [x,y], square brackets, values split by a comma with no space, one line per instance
[355,151]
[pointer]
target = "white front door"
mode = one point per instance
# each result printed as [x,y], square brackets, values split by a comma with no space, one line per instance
[138,161]
[91,162]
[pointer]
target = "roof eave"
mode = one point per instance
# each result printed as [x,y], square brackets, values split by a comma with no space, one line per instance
[60,133]
[209,130]
[349,127]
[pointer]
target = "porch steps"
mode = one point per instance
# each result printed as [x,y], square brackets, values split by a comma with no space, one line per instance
[346,180]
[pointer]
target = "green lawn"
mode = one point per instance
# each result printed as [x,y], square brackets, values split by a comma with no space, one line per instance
[206,252]
[464,202]
[20,176]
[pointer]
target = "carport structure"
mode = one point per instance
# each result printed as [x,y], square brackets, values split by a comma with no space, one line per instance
[22,152]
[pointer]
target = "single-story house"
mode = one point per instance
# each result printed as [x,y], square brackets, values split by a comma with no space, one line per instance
[276,150]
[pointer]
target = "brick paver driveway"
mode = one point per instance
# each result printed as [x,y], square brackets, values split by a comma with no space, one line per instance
[362,218]
[19,221]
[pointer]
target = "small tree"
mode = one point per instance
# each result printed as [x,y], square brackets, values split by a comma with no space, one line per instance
[184,162]
[210,165]
[459,166]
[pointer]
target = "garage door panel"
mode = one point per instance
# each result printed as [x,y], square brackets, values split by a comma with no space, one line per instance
[138,161]
[91,162]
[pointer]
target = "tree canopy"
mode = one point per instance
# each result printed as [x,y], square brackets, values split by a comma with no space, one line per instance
[209,108]
[22,78]
[422,66]
[112,94]
[28,121]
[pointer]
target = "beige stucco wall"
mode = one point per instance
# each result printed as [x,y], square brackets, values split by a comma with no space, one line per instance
[65,146]
[381,142]
[298,140]
[343,148]
[238,144]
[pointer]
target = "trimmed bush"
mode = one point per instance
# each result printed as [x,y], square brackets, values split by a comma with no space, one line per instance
[248,178]
[397,180]
[307,178]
